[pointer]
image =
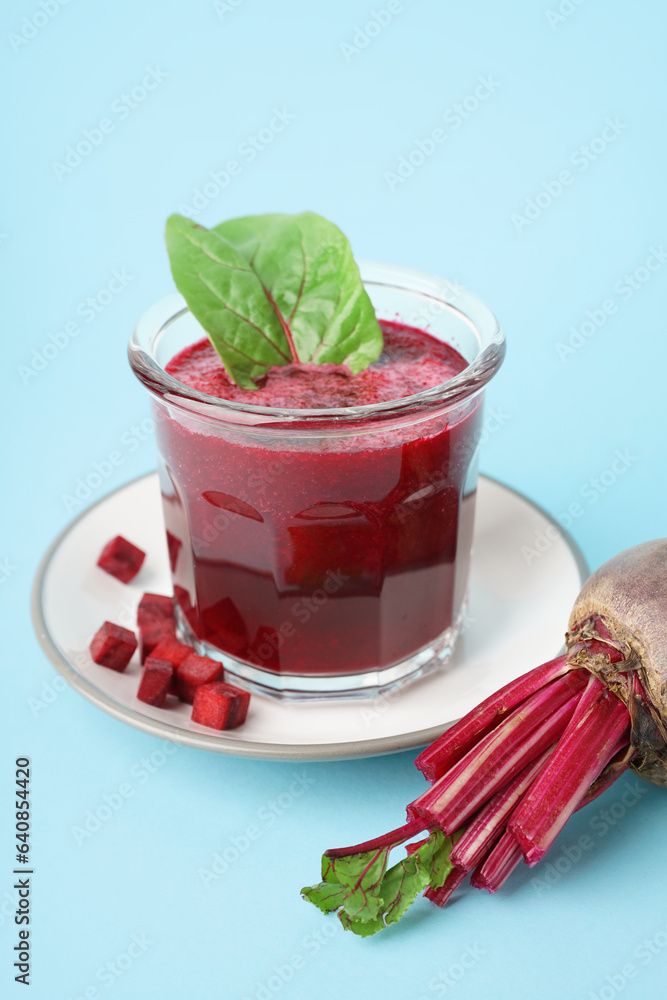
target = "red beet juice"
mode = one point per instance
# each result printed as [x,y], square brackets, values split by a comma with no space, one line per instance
[322,547]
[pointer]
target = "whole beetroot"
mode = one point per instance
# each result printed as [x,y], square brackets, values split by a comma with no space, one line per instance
[624,605]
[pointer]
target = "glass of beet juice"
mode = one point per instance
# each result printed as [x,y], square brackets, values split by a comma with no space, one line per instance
[320,527]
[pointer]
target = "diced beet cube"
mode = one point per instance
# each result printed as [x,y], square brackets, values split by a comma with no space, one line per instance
[113,646]
[239,706]
[174,652]
[195,671]
[153,633]
[220,706]
[121,559]
[155,681]
[174,545]
[155,607]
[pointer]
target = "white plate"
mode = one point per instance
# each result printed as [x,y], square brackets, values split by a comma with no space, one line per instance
[519,606]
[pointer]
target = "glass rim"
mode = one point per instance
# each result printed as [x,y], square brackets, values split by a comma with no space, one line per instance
[428,287]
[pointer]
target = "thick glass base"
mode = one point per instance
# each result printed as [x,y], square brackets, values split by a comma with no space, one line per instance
[300,687]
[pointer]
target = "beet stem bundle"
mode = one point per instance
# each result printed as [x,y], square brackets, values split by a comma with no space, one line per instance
[507,777]
[598,729]
[499,757]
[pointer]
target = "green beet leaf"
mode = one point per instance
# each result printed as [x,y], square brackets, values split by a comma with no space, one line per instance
[369,896]
[360,877]
[364,928]
[274,289]
[226,296]
[435,854]
[400,887]
[402,884]
[351,881]
[327,896]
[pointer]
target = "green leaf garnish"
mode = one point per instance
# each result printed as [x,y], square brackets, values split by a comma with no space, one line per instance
[274,290]
[367,895]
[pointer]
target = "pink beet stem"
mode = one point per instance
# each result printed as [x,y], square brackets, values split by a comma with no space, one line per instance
[608,777]
[500,756]
[490,822]
[452,882]
[591,739]
[449,748]
[391,839]
[499,864]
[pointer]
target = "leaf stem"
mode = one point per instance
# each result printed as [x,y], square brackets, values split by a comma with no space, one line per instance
[284,324]
[391,839]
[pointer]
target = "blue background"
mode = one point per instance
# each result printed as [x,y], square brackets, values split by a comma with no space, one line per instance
[460,213]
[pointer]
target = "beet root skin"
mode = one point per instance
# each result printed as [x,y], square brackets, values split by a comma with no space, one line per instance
[628,595]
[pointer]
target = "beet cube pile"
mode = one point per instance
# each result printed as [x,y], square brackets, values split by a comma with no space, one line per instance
[170,667]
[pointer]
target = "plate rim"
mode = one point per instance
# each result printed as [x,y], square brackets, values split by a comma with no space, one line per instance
[218,743]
